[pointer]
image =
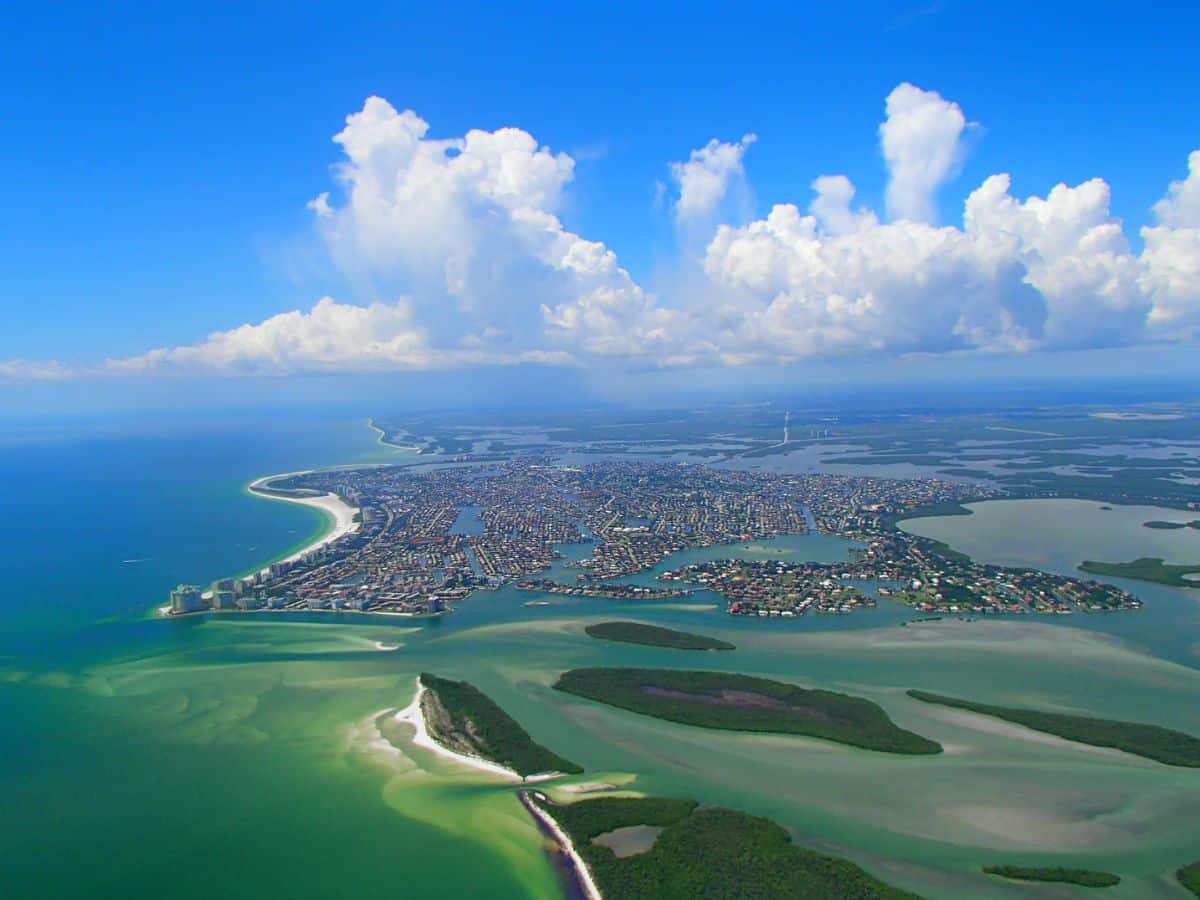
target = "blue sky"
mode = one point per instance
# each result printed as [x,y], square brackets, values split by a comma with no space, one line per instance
[160,157]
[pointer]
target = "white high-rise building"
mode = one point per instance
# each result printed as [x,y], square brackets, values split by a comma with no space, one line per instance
[186,599]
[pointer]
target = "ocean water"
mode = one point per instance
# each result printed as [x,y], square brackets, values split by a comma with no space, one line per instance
[145,758]
[239,756]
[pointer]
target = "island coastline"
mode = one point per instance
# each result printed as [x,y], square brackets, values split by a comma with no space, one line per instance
[384,442]
[413,715]
[582,874]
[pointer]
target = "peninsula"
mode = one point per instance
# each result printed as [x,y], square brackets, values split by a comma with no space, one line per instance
[607,591]
[1189,877]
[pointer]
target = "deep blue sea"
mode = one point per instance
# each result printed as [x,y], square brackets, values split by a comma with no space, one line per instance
[103,519]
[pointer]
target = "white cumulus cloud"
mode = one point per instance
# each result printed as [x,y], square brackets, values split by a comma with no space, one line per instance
[1171,275]
[922,145]
[329,337]
[1181,207]
[466,230]
[707,175]
[831,206]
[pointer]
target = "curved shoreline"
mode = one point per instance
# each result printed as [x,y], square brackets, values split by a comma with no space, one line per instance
[583,874]
[383,441]
[413,715]
[344,515]
[344,519]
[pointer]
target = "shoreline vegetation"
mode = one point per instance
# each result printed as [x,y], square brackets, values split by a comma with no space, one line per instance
[1146,568]
[465,720]
[708,852]
[1189,877]
[414,716]
[1172,748]
[581,879]
[1088,878]
[733,702]
[1171,526]
[654,636]
[932,511]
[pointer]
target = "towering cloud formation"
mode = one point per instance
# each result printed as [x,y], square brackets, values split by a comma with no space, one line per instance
[1171,273]
[460,241]
[467,228]
[922,145]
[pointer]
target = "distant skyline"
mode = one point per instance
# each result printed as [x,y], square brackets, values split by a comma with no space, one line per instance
[676,197]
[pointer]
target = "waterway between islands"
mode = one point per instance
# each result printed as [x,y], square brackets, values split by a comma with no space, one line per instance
[260,731]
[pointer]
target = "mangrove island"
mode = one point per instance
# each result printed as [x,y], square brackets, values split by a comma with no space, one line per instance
[1174,748]
[733,702]
[464,719]
[654,636]
[1081,877]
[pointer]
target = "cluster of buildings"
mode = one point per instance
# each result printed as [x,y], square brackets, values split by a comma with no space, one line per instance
[607,591]
[919,572]
[643,512]
[774,587]
[429,539]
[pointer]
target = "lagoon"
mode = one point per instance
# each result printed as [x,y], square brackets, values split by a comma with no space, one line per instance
[1058,534]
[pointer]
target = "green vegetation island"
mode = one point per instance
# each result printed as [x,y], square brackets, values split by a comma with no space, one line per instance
[1171,526]
[654,636]
[733,702]
[1189,877]
[1082,877]
[1146,568]
[465,720]
[1174,748]
[656,848]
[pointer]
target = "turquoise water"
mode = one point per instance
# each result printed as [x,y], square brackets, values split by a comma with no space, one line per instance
[239,756]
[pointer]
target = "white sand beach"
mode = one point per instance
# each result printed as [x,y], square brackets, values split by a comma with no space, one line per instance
[343,513]
[383,441]
[585,876]
[345,521]
[412,714]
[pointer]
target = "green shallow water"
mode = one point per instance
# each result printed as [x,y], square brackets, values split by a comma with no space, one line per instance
[253,742]
[239,756]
